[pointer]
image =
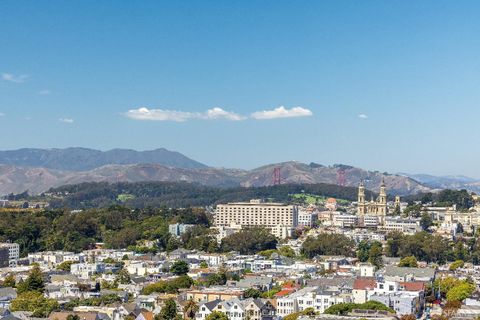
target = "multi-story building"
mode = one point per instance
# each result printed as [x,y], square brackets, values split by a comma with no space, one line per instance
[4,257]
[279,218]
[310,297]
[307,218]
[13,253]
[341,219]
[214,293]
[410,226]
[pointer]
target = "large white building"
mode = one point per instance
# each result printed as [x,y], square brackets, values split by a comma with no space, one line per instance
[279,218]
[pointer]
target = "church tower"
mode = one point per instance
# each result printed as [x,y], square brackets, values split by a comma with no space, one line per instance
[382,200]
[361,199]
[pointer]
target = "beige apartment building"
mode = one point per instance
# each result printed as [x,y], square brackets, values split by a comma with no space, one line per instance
[279,218]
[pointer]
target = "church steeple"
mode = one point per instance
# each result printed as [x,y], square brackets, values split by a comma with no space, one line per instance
[383,193]
[361,192]
[361,199]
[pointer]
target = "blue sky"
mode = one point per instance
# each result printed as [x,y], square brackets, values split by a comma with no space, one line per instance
[384,85]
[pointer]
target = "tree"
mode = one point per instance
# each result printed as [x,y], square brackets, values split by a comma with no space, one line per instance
[252,293]
[456,264]
[190,309]
[9,281]
[249,241]
[286,251]
[217,315]
[123,277]
[460,292]
[35,302]
[375,254]
[362,250]
[394,243]
[34,281]
[328,244]
[203,265]
[65,266]
[459,251]
[73,317]
[426,221]
[169,310]
[409,261]
[344,308]
[179,267]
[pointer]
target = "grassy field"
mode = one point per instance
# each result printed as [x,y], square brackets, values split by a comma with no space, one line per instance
[125,197]
[314,199]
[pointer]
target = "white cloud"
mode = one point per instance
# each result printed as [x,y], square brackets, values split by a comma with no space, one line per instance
[66,120]
[44,92]
[282,112]
[14,78]
[219,113]
[362,116]
[180,116]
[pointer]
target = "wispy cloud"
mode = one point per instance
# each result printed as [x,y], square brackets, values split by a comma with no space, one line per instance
[180,116]
[144,113]
[44,92]
[66,120]
[282,112]
[2,114]
[15,78]
[362,116]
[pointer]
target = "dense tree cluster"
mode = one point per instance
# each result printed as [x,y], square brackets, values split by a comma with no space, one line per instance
[371,252]
[328,244]
[168,286]
[182,194]
[249,241]
[454,289]
[345,308]
[116,226]
[461,198]
[432,248]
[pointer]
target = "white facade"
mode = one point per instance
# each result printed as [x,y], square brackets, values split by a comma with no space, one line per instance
[86,270]
[309,297]
[279,218]
[307,218]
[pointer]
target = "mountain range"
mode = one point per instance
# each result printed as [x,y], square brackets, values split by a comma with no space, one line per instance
[83,159]
[38,170]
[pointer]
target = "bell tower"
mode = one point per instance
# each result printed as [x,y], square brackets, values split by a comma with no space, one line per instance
[361,199]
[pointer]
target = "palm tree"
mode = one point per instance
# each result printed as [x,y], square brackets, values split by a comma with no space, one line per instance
[190,309]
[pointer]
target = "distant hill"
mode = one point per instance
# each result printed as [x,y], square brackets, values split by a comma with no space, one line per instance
[18,179]
[447,182]
[301,173]
[83,159]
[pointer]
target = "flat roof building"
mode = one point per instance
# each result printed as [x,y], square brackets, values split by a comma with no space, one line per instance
[281,219]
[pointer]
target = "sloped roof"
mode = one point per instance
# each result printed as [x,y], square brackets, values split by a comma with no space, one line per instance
[364,283]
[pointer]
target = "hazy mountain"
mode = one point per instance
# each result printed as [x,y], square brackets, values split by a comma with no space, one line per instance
[297,172]
[82,159]
[36,180]
[447,182]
